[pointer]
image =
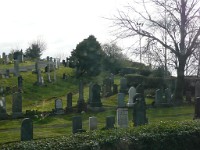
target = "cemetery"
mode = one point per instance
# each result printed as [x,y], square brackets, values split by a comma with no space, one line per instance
[38,106]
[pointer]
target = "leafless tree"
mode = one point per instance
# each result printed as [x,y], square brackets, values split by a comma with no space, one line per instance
[178,19]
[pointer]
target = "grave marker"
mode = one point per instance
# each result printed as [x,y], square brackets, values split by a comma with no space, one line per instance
[110,122]
[120,100]
[122,117]
[16,105]
[58,107]
[76,124]
[132,92]
[26,129]
[92,123]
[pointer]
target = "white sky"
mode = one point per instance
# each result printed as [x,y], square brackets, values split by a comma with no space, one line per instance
[62,24]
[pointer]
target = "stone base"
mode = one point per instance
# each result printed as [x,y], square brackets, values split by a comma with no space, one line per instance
[95,109]
[17,115]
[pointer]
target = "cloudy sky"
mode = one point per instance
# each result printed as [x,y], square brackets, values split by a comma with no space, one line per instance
[62,24]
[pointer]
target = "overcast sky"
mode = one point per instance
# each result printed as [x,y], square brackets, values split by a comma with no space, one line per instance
[62,24]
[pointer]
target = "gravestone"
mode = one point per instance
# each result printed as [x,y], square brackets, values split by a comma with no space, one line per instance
[36,66]
[188,96]
[40,80]
[197,89]
[16,105]
[20,82]
[120,100]
[122,117]
[132,92]
[110,122]
[26,129]
[139,110]
[197,108]
[69,103]
[3,114]
[76,124]
[140,89]
[49,77]
[123,85]
[16,67]
[115,88]
[92,123]
[167,95]
[158,97]
[107,87]
[58,107]
[81,105]
[96,97]
[90,92]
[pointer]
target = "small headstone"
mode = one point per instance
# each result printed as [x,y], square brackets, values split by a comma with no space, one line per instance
[107,85]
[123,85]
[58,107]
[17,105]
[26,129]
[110,122]
[96,97]
[139,110]
[132,92]
[92,123]
[76,124]
[122,117]
[120,100]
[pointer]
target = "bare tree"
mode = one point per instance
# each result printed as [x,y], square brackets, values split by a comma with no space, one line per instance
[178,19]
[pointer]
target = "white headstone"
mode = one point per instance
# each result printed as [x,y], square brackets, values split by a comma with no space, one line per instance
[132,92]
[122,117]
[92,123]
[58,104]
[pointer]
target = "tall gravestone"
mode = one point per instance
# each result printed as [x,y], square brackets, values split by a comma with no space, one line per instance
[96,97]
[107,87]
[76,124]
[16,68]
[131,92]
[20,82]
[58,107]
[140,89]
[26,129]
[81,106]
[69,103]
[17,105]
[139,110]
[92,123]
[123,85]
[120,100]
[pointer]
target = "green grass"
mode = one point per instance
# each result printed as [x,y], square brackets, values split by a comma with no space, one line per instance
[42,99]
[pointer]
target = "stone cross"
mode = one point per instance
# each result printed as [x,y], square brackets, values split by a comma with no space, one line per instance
[26,129]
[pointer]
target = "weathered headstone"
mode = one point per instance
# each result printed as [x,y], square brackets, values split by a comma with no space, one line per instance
[69,103]
[92,123]
[26,129]
[110,122]
[120,100]
[158,97]
[140,89]
[17,105]
[123,85]
[132,92]
[197,108]
[122,117]
[139,110]
[16,67]
[81,105]
[107,87]
[58,107]
[76,124]
[96,97]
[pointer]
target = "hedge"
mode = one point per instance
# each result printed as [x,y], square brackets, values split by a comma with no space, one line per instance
[160,136]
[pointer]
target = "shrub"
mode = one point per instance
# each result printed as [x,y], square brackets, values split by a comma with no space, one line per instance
[164,135]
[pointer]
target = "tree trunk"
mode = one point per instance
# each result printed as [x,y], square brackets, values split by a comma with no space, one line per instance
[178,93]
